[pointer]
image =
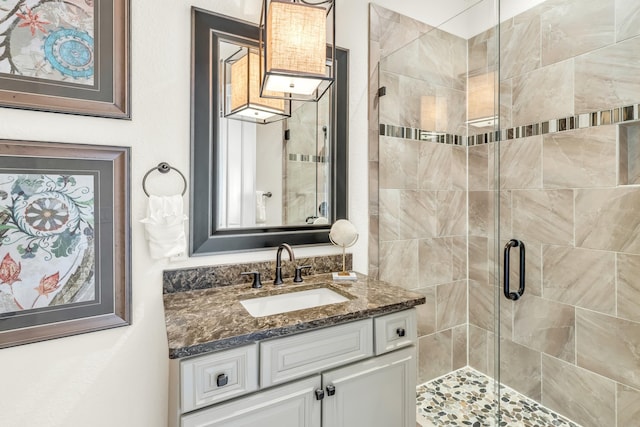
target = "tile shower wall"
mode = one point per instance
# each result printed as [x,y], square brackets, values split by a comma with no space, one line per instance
[572,341]
[419,198]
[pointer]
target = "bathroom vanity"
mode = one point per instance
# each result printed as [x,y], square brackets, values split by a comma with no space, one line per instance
[347,364]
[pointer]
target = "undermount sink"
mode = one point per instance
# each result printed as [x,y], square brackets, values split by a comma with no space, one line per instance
[296,300]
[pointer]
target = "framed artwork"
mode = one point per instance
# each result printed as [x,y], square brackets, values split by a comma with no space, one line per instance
[68,56]
[64,240]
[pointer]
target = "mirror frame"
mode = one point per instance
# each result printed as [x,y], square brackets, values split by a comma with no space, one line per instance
[204,237]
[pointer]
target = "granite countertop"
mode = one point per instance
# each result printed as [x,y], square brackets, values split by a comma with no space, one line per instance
[213,319]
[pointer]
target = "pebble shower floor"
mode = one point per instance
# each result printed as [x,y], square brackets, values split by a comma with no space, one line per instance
[466,398]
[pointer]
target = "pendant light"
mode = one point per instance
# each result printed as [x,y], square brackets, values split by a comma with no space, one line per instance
[297,48]
[242,90]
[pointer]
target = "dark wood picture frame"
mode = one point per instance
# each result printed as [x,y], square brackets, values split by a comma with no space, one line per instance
[108,169]
[109,96]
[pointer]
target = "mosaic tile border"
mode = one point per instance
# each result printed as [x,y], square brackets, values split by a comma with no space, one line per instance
[466,397]
[580,121]
[308,158]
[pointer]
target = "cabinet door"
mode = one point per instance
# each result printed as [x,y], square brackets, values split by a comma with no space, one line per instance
[378,392]
[291,405]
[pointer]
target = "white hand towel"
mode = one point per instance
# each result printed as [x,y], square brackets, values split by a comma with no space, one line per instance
[261,207]
[164,225]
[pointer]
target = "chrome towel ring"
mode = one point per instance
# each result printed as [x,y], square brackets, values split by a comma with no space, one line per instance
[163,167]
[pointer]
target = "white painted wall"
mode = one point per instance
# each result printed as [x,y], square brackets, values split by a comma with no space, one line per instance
[119,377]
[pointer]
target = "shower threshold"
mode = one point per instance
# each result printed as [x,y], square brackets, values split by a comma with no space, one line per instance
[466,397]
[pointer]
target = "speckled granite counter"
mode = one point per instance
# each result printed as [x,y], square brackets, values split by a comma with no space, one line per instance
[213,319]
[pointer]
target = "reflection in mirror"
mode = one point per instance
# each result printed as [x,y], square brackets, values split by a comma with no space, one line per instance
[258,183]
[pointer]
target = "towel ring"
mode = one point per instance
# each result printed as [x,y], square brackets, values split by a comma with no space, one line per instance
[162,167]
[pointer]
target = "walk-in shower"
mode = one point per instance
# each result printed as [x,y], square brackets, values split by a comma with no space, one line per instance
[511,131]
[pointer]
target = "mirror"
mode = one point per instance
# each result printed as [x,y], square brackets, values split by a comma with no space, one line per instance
[257,185]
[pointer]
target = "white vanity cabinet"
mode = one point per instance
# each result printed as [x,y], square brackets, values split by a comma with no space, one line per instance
[361,373]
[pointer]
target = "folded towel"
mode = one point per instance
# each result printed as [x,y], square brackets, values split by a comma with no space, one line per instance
[164,226]
[261,207]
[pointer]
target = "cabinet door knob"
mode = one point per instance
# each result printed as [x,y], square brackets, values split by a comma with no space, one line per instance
[319,394]
[401,332]
[331,390]
[222,380]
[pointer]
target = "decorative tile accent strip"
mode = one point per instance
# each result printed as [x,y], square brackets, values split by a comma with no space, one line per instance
[580,121]
[467,398]
[307,158]
[421,135]
[189,279]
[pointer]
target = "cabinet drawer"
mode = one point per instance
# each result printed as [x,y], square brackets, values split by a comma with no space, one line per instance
[218,376]
[284,359]
[395,330]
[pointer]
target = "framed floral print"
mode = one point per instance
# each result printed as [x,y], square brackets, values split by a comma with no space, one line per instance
[64,240]
[69,56]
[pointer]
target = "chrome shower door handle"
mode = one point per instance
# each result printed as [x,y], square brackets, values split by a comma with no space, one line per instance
[514,296]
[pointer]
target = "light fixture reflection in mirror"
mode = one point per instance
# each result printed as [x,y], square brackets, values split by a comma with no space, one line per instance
[343,234]
[242,98]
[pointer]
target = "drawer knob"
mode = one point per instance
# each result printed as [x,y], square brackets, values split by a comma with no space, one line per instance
[222,380]
[401,332]
[319,394]
[331,390]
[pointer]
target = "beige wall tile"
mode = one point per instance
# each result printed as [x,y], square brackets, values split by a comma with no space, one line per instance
[545,326]
[399,263]
[411,95]
[426,313]
[451,300]
[543,94]
[478,47]
[479,259]
[506,103]
[628,272]
[627,19]
[580,277]
[398,163]
[452,213]
[478,167]
[459,347]
[459,258]
[628,401]
[434,356]
[582,396]
[434,166]
[481,305]
[608,346]
[580,158]
[417,214]
[543,216]
[629,153]
[520,45]
[396,30]
[607,219]
[374,187]
[608,77]
[520,369]
[480,213]
[458,168]
[573,27]
[478,348]
[435,261]
[389,212]
[521,163]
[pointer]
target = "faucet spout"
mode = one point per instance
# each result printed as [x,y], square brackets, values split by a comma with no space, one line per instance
[278,278]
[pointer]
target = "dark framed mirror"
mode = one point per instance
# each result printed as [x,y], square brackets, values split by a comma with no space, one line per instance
[243,197]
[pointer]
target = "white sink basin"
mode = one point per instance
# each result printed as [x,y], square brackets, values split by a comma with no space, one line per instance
[275,304]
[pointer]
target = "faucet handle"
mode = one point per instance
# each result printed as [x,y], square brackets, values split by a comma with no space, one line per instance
[256,278]
[297,278]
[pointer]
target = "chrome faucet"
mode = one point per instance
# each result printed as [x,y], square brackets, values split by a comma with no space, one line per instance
[278,279]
